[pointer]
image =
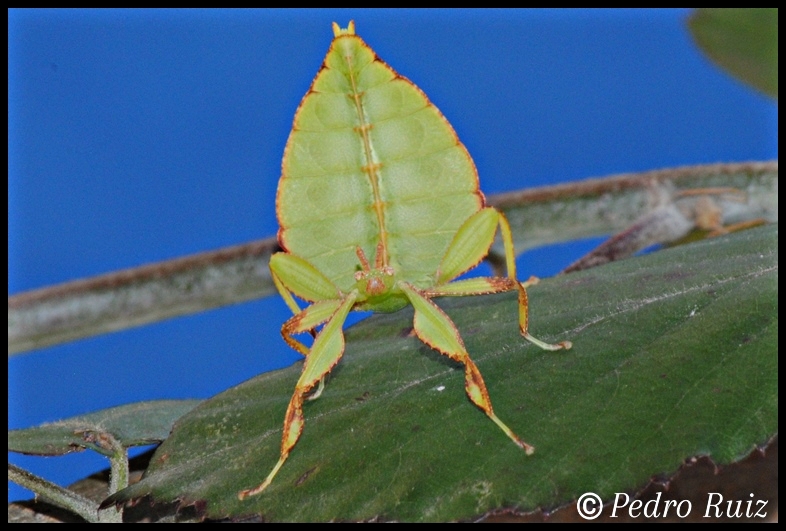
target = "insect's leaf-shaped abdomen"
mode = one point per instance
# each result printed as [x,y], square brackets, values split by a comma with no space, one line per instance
[370,159]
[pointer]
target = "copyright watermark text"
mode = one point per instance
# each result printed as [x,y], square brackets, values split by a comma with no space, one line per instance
[590,506]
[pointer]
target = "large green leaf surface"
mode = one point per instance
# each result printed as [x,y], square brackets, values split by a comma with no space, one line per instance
[675,355]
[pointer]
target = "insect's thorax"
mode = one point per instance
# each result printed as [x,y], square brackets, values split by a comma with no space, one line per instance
[389,301]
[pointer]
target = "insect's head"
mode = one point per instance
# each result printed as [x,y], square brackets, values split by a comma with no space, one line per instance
[376,281]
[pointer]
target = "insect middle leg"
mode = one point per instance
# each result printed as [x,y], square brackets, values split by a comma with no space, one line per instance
[471,243]
[295,276]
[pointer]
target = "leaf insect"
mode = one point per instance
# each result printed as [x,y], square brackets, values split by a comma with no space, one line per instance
[379,207]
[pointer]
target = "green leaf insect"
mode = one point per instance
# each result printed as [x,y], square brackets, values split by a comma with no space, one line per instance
[379,207]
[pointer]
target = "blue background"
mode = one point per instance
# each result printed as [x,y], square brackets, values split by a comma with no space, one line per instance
[139,136]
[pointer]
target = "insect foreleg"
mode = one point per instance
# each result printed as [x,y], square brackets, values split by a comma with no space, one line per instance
[323,356]
[435,329]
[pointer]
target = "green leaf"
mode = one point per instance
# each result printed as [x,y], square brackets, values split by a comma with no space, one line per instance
[675,355]
[135,424]
[743,41]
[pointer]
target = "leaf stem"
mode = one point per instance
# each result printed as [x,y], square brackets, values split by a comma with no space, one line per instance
[62,497]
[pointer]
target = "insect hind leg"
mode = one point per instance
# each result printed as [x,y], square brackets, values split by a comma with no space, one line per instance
[510,260]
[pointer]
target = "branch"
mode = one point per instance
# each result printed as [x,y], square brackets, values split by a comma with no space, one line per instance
[538,216]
